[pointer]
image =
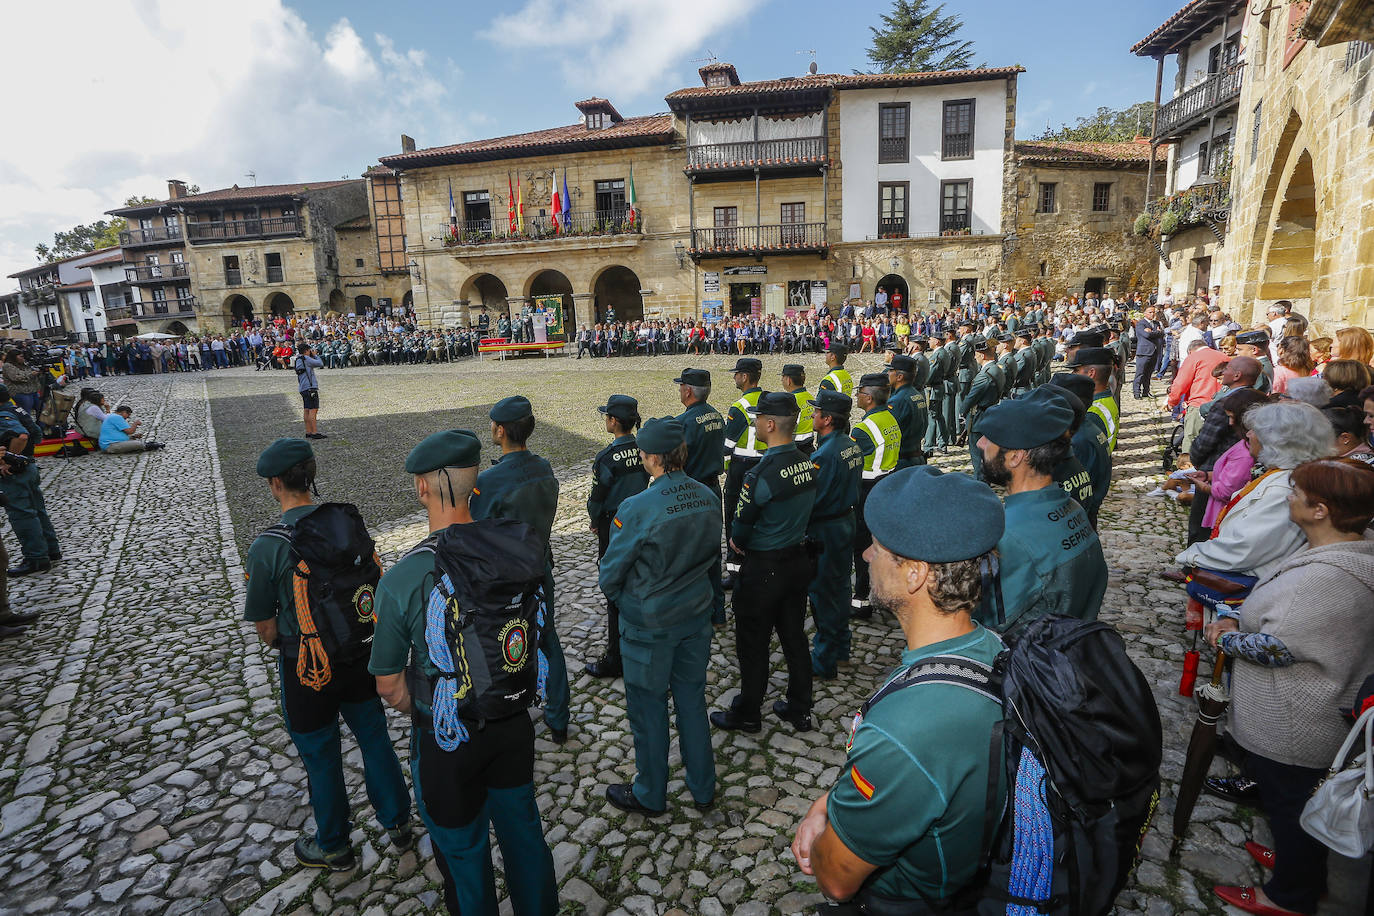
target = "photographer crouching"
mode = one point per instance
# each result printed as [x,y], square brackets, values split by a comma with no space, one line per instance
[24,505]
[25,381]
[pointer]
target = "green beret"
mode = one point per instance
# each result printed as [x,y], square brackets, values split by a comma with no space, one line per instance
[282,455]
[452,448]
[660,436]
[1043,415]
[508,410]
[926,491]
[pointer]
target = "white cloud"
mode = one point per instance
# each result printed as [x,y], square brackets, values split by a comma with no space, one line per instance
[614,46]
[145,90]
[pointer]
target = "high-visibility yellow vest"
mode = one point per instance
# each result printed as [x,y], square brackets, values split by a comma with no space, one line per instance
[747,445]
[805,429]
[886,433]
[839,379]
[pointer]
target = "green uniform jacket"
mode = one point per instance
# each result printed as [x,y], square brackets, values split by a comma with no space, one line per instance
[617,474]
[839,467]
[704,429]
[1007,363]
[922,377]
[271,581]
[520,485]
[914,788]
[1108,414]
[665,543]
[939,371]
[1051,561]
[775,500]
[1025,368]
[1075,480]
[911,408]
[984,391]
[402,598]
[1090,448]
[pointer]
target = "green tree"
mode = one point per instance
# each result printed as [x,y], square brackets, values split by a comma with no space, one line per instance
[87,237]
[1107,125]
[916,39]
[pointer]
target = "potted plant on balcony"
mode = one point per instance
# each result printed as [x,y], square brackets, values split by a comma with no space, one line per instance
[1168,223]
[1142,224]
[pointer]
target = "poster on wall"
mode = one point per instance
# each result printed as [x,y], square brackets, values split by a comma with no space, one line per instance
[818,293]
[553,309]
[774,302]
[710,281]
[712,311]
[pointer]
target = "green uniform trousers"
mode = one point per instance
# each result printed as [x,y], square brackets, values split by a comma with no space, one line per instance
[659,662]
[717,588]
[556,684]
[830,592]
[28,515]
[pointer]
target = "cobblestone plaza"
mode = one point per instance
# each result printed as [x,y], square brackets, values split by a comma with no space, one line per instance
[144,767]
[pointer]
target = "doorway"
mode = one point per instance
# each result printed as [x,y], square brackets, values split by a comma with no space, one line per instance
[1094,285]
[898,298]
[745,299]
[1202,273]
[958,287]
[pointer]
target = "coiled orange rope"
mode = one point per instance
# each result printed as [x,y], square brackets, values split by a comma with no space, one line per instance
[312,665]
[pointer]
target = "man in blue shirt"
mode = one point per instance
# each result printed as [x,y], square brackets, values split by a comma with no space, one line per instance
[305,364]
[119,435]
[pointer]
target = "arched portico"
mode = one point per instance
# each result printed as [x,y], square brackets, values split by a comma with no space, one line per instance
[279,305]
[617,288]
[238,308]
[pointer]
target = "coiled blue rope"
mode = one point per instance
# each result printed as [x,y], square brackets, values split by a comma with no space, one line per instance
[1032,860]
[543,661]
[449,732]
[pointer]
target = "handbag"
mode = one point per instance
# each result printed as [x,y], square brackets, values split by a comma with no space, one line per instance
[1341,812]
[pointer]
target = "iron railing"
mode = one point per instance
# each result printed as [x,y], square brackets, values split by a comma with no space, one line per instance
[275,275]
[892,228]
[251,228]
[151,236]
[955,223]
[588,223]
[118,313]
[892,149]
[957,146]
[161,308]
[51,333]
[233,276]
[778,237]
[156,273]
[782,153]
[1200,101]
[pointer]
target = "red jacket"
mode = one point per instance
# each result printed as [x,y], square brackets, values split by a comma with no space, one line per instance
[1195,383]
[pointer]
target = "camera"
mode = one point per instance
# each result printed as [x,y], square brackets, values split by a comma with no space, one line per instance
[16,463]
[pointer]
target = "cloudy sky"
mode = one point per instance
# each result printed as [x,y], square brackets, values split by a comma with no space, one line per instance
[109,98]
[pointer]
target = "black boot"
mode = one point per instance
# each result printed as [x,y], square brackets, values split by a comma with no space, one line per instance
[30,566]
[604,667]
[11,632]
[17,620]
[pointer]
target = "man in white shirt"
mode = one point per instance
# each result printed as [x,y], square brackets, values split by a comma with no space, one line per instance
[1195,330]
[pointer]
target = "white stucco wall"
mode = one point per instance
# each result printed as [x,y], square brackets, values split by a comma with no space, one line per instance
[925,169]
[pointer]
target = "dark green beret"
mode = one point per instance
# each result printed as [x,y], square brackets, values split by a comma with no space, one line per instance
[1253,338]
[776,404]
[1092,356]
[839,349]
[452,448]
[793,370]
[927,492]
[660,436]
[508,410]
[1043,415]
[831,401]
[1086,339]
[873,380]
[903,364]
[620,406]
[697,378]
[282,455]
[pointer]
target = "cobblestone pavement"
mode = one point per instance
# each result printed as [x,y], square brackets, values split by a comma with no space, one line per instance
[144,767]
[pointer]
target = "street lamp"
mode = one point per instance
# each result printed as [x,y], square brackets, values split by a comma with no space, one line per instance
[414,266]
[681,251]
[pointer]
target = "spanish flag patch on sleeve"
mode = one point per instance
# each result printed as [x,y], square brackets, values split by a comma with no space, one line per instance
[863,785]
[617,522]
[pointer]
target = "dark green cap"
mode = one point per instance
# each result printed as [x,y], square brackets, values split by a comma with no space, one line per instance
[1091,356]
[1080,386]
[282,455]
[660,435]
[903,364]
[831,401]
[927,492]
[697,378]
[1043,415]
[620,406]
[452,448]
[793,371]
[508,410]
[776,404]
[874,380]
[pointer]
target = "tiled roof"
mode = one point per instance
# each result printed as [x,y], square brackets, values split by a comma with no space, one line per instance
[51,264]
[236,193]
[1082,152]
[643,131]
[1162,39]
[596,103]
[115,258]
[843,81]
[77,287]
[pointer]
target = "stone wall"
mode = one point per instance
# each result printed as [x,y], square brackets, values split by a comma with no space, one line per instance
[357,243]
[1063,250]
[1302,213]
[926,265]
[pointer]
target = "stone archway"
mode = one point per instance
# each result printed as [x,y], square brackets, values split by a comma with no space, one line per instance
[177,328]
[238,309]
[337,301]
[554,283]
[279,305]
[1289,267]
[617,288]
[361,304]
[894,283]
[484,291]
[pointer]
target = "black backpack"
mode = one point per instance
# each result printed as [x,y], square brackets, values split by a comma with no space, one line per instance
[483,622]
[1083,745]
[335,584]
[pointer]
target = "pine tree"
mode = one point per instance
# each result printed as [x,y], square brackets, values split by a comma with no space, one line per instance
[915,39]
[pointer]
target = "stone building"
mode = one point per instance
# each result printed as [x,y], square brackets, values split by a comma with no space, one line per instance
[1302,214]
[1198,125]
[58,301]
[155,267]
[479,221]
[1074,210]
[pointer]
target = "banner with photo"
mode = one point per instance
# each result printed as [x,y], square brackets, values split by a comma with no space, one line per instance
[553,308]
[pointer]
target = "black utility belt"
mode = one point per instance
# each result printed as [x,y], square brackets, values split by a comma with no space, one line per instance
[832,516]
[799,547]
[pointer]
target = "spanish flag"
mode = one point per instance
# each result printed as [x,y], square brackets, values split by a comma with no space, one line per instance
[519,205]
[863,785]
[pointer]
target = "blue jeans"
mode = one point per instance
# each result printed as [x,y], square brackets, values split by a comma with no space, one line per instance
[322,755]
[30,402]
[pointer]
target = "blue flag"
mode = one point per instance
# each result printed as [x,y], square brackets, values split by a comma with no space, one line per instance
[567,203]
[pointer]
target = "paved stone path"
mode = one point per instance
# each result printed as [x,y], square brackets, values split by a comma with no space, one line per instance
[144,768]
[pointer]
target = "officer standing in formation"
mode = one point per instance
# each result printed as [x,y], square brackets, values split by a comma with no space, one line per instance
[312,715]
[1089,441]
[617,474]
[769,532]
[24,505]
[1006,361]
[909,406]
[1096,363]
[837,379]
[1050,558]
[665,542]
[969,342]
[839,469]
[703,429]
[984,391]
[487,779]
[937,430]
[879,438]
[903,825]
[1025,362]
[741,449]
[794,383]
[521,485]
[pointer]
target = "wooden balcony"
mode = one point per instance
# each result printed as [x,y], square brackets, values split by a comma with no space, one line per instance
[153,235]
[149,274]
[580,224]
[789,156]
[157,309]
[258,227]
[757,241]
[1197,104]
